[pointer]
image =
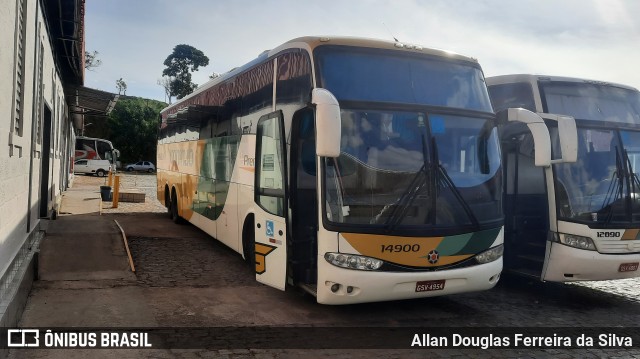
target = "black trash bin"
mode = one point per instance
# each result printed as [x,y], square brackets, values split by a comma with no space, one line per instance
[105,193]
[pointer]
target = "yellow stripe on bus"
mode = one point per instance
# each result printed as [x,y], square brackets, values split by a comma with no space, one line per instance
[630,234]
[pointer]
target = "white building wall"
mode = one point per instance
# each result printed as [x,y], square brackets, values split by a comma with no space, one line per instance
[21,156]
[12,167]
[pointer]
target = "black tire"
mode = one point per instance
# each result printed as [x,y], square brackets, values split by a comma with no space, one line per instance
[129,169]
[150,170]
[167,202]
[249,243]
[100,173]
[175,217]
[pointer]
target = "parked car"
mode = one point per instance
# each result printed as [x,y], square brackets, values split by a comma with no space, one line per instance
[145,166]
[98,167]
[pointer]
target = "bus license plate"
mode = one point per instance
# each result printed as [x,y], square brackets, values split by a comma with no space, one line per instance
[628,267]
[429,285]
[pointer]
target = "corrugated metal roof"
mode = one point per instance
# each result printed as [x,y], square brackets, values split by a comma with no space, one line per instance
[88,101]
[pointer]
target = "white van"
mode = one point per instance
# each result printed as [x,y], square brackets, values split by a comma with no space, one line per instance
[98,167]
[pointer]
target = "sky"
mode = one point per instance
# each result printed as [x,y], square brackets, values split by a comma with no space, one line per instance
[592,39]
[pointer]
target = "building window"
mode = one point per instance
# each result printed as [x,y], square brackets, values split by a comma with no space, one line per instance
[20,45]
[37,101]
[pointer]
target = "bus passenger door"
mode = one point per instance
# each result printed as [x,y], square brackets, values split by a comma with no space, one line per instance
[271,204]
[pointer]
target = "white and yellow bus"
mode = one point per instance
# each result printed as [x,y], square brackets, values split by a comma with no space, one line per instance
[359,170]
[580,219]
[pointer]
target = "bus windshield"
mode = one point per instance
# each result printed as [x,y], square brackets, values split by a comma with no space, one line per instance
[590,101]
[383,76]
[406,170]
[602,186]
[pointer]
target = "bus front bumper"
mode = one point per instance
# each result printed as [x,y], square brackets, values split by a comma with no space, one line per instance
[567,264]
[346,286]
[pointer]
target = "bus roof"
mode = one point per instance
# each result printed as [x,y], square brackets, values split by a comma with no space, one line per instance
[310,43]
[314,41]
[502,79]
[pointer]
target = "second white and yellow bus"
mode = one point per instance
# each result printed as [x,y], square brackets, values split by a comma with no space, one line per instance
[359,170]
[580,219]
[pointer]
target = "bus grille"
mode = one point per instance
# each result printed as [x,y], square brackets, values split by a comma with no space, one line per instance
[617,246]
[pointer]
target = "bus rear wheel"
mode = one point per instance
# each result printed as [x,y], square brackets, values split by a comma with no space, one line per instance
[173,209]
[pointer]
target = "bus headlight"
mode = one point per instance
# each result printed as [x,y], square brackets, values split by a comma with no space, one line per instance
[580,242]
[490,254]
[352,261]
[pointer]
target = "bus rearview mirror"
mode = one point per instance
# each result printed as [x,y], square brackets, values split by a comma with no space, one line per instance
[568,136]
[328,123]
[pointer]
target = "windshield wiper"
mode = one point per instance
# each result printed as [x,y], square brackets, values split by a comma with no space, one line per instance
[633,185]
[448,182]
[616,188]
[624,174]
[420,179]
[400,208]
[633,177]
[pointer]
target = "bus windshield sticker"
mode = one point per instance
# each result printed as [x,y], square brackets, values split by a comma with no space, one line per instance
[437,124]
[267,162]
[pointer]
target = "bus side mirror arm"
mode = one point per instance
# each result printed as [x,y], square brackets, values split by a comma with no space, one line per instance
[328,123]
[538,128]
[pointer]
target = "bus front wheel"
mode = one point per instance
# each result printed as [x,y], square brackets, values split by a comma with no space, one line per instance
[167,201]
[249,242]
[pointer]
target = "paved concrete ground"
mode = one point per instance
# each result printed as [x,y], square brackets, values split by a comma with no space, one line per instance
[185,279]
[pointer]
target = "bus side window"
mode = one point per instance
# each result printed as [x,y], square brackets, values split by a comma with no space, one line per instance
[270,164]
[208,127]
[256,90]
[294,78]
[514,95]
[104,150]
[227,117]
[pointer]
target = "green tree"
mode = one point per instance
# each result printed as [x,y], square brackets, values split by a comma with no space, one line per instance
[184,60]
[121,86]
[132,127]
